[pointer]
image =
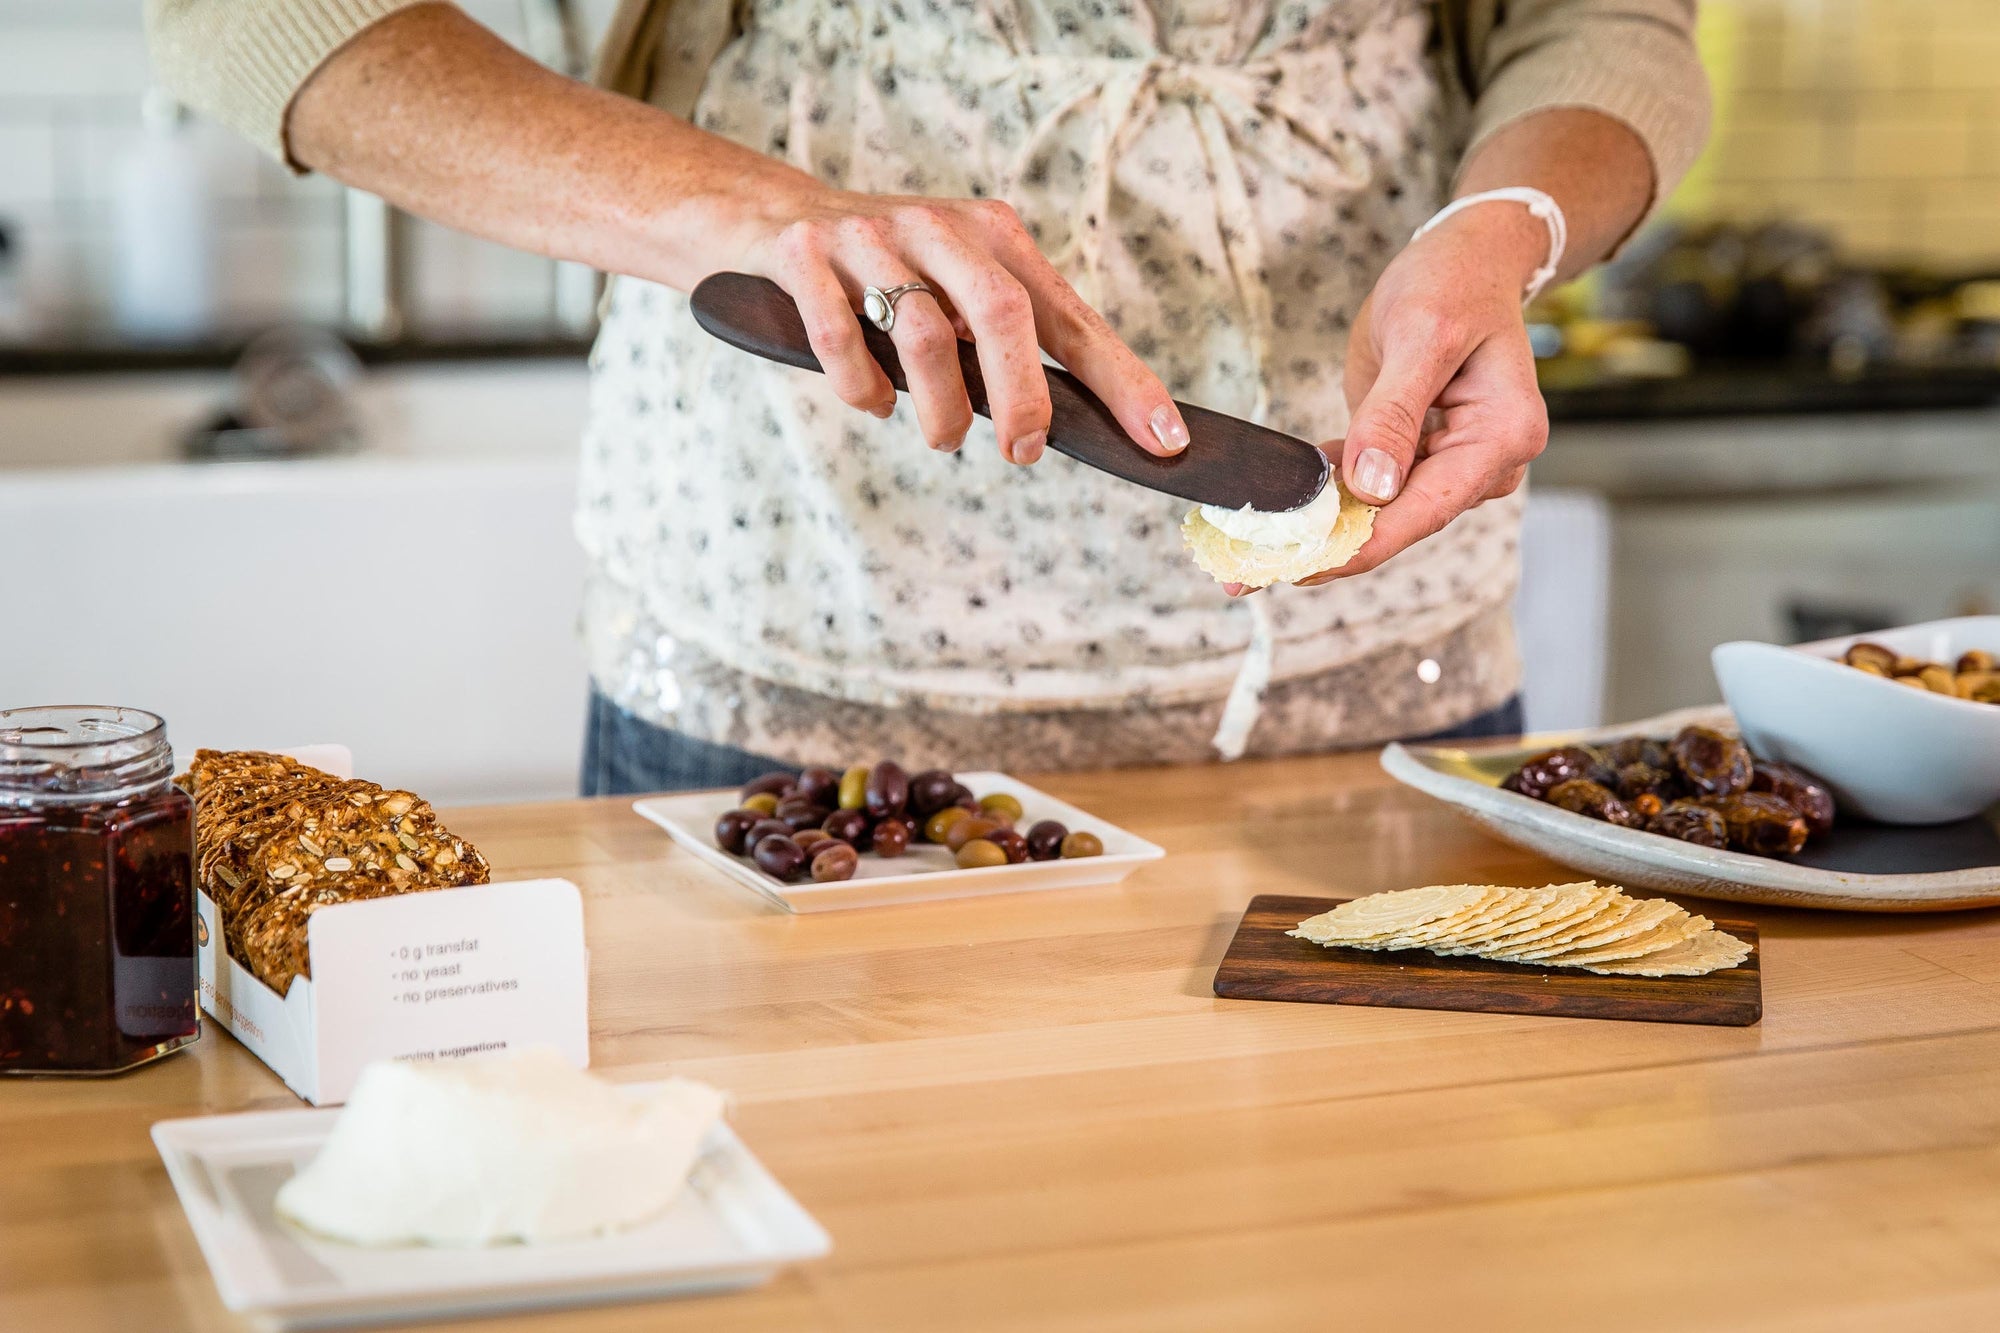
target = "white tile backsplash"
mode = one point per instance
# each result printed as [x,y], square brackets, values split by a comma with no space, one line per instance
[72,76]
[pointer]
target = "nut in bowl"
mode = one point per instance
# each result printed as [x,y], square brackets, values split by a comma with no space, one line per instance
[1892,751]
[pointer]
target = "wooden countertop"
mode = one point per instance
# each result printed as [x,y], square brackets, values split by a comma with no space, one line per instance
[1030,1112]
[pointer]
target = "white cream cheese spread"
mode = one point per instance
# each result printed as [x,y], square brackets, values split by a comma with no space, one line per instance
[1294,527]
[519,1147]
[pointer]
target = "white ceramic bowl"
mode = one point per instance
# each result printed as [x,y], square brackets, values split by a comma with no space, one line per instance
[1889,752]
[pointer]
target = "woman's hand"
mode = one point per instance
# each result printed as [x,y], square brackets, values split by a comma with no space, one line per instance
[1446,411]
[991,284]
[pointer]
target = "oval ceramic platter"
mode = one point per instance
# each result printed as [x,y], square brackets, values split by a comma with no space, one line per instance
[1859,867]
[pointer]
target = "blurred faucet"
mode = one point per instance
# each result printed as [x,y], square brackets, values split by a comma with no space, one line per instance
[375,303]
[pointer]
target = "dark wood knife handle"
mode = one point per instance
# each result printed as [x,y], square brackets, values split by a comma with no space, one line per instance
[1232,462]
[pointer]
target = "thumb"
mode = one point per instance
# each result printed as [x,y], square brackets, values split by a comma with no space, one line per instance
[1382,437]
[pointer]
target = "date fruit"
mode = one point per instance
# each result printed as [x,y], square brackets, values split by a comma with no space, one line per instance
[1690,822]
[1596,801]
[1760,823]
[1545,772]
[1798,789]
[1711,762]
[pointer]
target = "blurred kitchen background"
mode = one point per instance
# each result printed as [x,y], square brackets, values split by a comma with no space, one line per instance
[289,467]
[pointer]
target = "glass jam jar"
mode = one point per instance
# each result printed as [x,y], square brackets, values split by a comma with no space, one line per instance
[97,948]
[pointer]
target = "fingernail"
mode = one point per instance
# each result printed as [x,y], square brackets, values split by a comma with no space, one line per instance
[1376,476]
[1168,428]
[883,413]
[1029,447]
[949,446]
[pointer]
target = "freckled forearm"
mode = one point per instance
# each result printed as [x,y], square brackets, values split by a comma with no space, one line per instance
[442,118]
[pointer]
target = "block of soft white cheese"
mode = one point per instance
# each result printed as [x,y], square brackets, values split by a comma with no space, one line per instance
[516,1147]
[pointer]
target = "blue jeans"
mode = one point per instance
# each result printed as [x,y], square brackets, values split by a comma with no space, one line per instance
[625,755]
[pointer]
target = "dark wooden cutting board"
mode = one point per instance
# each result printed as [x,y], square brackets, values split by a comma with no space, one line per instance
[1264,963]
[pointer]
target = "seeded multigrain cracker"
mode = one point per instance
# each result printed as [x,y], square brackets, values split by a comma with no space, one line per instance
[276,839]
[1595,927]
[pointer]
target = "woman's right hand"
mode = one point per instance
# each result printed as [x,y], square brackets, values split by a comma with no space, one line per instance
[991,285]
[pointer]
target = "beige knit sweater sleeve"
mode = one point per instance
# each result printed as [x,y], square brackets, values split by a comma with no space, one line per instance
[242,61]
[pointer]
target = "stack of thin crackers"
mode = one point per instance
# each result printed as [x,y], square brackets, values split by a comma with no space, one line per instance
[1596,927]
[276,840]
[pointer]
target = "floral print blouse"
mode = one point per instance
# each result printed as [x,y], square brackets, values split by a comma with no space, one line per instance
[1224,181]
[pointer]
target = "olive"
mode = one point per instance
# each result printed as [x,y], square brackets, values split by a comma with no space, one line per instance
[930,792]
[854,787]
[850,826]
[892,837]
[764,803]
[779,857]
[967,829]
[778,783]
[800,813]
[1000,805]
[1714,764]
[820,785]
[939,824]
[731,827]
[1045,840]
[1080,843]
[1010,842]
[1798,789]
[887,790]
[763,829]
[978,854]
[835,861]
[810,838]
[961,795]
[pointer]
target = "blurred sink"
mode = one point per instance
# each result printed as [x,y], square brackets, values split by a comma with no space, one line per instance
[417,600]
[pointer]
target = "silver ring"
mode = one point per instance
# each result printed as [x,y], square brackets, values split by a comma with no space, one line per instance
[880,306]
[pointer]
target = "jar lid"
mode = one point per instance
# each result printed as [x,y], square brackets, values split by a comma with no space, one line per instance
[80,751]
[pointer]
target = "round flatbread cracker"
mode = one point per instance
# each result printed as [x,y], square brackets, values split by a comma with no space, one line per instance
[1661,937]
[1228,560]
[1607,910]
[1562,904]
[1517,910]
[1644,915]
[1710,951]
[1382,916]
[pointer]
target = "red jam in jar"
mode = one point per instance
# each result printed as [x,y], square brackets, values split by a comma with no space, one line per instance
[97,947]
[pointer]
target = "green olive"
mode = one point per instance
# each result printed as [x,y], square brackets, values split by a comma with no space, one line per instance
[938,826]
[1080,843]
[764,803]
[854,787]
[1000,805]
[979,853]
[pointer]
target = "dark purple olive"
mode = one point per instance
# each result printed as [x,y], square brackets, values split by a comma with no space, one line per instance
[888,790]
[779,857]
[1011,842]
[1045,840]
[763,829]
[930,792]
[778,784]
[732,827]
[799,813]
[819,785]
[850,826]
[962,797]
[891,837]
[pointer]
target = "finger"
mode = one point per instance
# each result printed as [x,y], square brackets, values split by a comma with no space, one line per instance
[834,332]
[1382,438]
[1079,338]
[1441,487]
[1506,485]
[997,309]
[928,350]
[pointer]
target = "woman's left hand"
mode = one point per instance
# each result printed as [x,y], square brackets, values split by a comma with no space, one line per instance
[1446,411]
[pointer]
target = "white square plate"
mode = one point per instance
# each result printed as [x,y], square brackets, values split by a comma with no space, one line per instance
[734,1226]
[927,870]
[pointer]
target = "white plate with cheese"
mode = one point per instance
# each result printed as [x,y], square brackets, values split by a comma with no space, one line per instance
[733,1226]
[926,871]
